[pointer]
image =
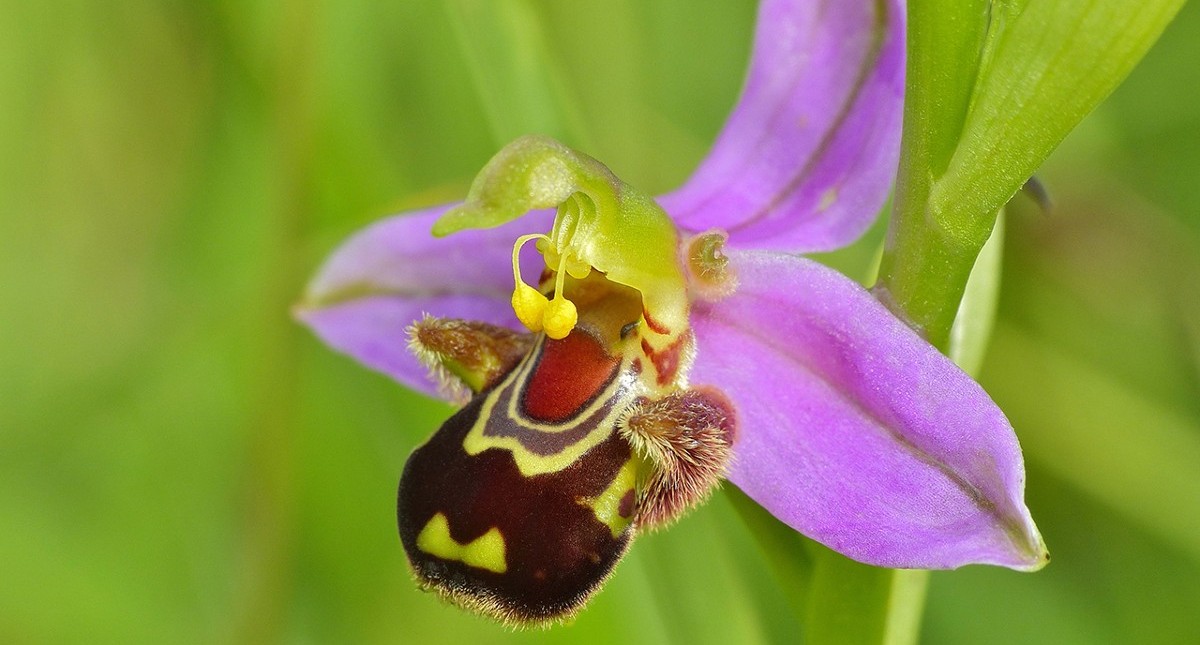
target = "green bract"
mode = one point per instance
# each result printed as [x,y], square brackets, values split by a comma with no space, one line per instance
[993,88]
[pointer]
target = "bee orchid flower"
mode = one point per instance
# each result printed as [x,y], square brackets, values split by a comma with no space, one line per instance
[667,343]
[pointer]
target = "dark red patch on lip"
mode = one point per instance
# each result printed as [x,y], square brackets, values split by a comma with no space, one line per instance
[569,374]
[625,508]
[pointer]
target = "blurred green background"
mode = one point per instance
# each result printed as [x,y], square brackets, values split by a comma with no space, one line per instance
[180,462]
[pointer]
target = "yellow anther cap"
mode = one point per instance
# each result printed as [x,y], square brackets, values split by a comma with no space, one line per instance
[530,306]
[559,318]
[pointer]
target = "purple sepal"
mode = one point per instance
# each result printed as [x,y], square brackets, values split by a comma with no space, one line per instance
[805,160]
[854,430]
[392,273]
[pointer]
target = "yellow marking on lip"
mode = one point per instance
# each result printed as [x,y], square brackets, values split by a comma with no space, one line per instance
[485,552]
[607,505]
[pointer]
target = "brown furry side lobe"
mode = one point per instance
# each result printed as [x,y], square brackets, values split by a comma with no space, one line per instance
[466,353]
[688,437]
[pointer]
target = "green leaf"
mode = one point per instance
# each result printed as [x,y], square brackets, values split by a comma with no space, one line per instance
[992,89]
[1046,65]
[784,547]
[972,327]
[851,602]
[837,599]
[1135,454]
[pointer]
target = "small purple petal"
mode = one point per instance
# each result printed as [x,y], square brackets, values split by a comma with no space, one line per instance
[390,274]
[855,431]
[805,161]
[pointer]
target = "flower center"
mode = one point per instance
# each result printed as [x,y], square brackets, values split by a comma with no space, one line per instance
[601,224]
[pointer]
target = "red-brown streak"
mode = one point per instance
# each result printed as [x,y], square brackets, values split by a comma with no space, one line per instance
[653,324]
[666,361]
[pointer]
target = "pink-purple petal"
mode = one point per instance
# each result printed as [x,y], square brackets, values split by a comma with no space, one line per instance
[855,431]
[392,273]
[806,158]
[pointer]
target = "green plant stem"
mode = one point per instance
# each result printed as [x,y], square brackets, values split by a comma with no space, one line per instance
[836,599]
[930,251]
[925,269]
